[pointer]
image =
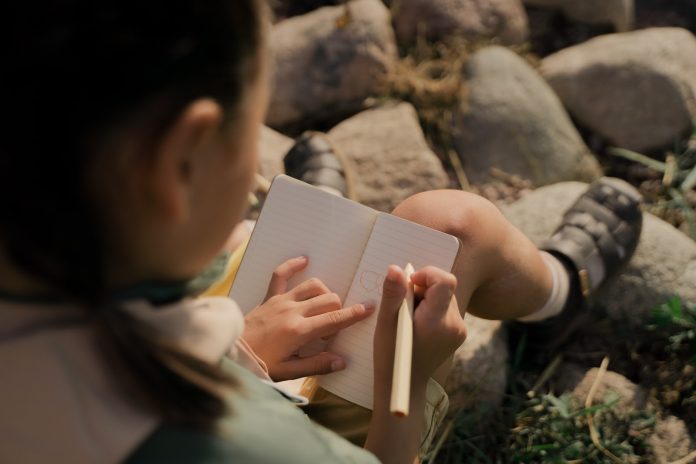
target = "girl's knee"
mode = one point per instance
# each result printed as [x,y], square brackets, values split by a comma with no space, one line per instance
[465,215]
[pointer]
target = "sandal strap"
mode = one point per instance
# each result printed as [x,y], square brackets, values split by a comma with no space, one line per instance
[323,161]
[599,233]
[312,159]
[325,177]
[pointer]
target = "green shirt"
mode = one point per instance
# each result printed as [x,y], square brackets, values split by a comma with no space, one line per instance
[264,427]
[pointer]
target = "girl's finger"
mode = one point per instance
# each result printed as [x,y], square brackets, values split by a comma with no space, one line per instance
[393,293]
[310,288]
[283,273]
[322,363]
[439,288]
[431,275]
[384,340]
[320,304]
[329,323]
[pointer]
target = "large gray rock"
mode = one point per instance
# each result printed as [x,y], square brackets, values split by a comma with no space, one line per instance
[510,118]
[438,19]
[478,376]
[327,62]
[664,264]
[387,152]
[636,89]
[272,149]
[618,13]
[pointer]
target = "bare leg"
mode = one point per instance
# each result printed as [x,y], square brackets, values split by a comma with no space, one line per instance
[500,272]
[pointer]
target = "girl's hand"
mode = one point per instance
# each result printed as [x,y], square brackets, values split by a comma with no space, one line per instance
[288,320]
[438,330]
[438,327]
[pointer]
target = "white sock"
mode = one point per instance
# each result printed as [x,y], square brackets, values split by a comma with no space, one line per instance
[559,291]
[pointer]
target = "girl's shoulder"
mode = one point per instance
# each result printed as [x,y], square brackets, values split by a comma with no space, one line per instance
[262,427]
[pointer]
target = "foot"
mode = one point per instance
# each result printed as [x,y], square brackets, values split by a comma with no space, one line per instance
[313,159]
[596,239]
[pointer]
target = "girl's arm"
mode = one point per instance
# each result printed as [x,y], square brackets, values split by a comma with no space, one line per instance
[438,330]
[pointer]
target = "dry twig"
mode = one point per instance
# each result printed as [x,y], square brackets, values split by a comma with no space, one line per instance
[459,170]
[594,435]
[545,375]
[686,459]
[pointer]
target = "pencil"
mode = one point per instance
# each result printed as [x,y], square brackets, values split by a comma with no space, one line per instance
[401,377]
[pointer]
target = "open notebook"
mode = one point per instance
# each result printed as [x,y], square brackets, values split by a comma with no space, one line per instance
[349,246]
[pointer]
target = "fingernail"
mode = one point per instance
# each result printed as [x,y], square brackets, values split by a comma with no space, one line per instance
[302,258]
[369,306]
[338,365]
[393,273]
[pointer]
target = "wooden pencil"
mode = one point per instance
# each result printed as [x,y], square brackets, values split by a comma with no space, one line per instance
[401,376]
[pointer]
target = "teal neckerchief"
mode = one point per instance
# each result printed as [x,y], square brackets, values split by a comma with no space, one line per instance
[157,293]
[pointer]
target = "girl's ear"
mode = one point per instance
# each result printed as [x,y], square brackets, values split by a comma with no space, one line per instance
[176,155]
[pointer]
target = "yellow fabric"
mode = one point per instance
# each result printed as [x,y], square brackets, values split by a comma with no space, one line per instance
[224,284]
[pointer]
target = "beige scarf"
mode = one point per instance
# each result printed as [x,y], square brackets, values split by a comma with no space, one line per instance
[58,400]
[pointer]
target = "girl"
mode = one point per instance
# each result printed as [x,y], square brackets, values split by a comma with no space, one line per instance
[126,157]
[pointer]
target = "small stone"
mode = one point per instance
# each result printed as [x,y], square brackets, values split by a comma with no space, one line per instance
[632,396]
[670,440]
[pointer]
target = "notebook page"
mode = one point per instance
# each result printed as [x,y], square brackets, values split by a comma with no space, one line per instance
[298,219]
[393,241]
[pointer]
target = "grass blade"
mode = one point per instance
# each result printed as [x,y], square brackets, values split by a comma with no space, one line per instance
[690,181]
[638,158]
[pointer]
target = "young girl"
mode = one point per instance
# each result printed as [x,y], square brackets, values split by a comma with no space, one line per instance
[126,156]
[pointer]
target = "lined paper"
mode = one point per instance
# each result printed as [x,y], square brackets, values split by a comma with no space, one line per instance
[393,241]
[298,219]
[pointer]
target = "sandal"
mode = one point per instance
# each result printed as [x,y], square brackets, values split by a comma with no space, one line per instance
[596,239]
[314,159]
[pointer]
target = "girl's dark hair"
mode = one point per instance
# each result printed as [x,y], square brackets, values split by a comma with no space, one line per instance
[74,69]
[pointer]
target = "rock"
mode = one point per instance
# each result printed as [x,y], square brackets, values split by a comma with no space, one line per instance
[664,264]
[327,62]
[272,149]
[632,396]
[438,19]
[512,120]
[478,376]
[636,89]
[670,441]
[618,13]
[387,152]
